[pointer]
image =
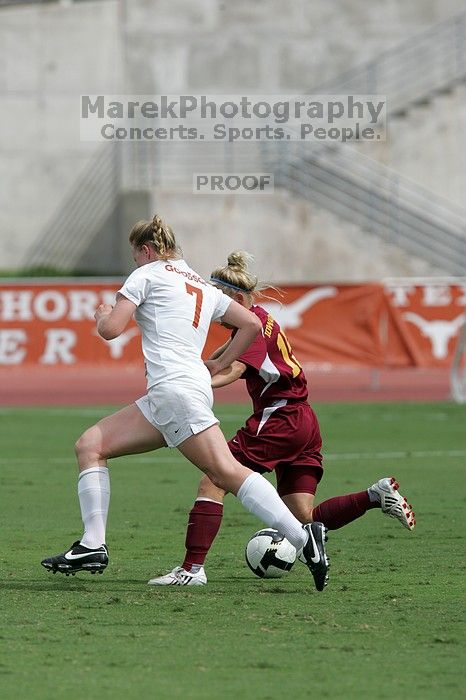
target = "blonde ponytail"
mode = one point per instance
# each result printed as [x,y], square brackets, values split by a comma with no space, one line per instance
[236,277]
[157,234]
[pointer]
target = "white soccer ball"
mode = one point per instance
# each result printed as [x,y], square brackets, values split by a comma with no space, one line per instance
[269,554]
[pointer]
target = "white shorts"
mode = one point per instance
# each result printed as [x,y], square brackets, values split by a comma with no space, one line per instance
[178,412]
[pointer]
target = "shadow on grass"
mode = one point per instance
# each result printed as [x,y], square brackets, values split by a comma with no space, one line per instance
[78,585]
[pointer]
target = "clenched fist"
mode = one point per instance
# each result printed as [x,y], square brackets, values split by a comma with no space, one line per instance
[102,310]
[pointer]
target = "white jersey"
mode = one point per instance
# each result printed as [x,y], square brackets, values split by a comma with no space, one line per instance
[174,309]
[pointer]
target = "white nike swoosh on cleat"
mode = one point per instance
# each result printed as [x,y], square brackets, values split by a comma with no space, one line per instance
[70,556]
[315,560]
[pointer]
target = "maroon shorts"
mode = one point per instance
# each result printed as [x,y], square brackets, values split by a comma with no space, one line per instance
[289,443]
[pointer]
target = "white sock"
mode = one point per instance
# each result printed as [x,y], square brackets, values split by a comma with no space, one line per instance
[94,499]
[261,499]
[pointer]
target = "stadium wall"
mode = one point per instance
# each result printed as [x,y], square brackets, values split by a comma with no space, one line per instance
[292,240]
[108,46]
[49,55]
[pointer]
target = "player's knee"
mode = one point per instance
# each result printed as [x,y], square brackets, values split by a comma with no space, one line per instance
[207,489]
[217,479]
[300,504]
[87,447]
[304,515]
[223,477]
[301,512]
[204,484]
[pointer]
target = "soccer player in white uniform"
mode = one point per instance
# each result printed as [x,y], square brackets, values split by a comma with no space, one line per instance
[173,307]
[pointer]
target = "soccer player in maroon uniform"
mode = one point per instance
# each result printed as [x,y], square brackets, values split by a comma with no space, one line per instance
[282,435]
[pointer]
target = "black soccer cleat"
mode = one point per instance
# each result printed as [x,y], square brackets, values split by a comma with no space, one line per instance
[78,558]
[314,554]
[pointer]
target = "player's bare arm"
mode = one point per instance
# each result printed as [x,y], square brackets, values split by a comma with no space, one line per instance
[216,353]
[112,320]
[229,374]
[248,326]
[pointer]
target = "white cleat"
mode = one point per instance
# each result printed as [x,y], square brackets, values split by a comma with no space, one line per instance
[180,577]
[393,503]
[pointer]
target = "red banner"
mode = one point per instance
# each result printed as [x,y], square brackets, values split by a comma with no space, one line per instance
[53,324]
[393,325]
[433,314]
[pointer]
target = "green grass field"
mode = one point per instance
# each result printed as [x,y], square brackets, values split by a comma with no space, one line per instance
[388,625]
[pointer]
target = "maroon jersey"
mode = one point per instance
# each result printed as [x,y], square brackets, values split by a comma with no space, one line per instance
[283,434]
[272,371]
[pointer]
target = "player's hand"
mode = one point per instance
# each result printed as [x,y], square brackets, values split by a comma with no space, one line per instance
[102,310]
[213,366]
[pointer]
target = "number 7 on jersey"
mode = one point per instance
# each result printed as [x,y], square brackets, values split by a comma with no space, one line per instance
[198,294]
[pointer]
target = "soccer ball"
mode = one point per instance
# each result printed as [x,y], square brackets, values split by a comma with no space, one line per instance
[269,554]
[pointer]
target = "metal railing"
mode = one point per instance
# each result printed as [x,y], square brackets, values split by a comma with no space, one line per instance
[80,215]
[340,179]
[368,193]
[380,201]
[167,164]
[413,71]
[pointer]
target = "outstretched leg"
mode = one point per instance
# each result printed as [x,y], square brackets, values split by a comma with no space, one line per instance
[342,510]
[339,511]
